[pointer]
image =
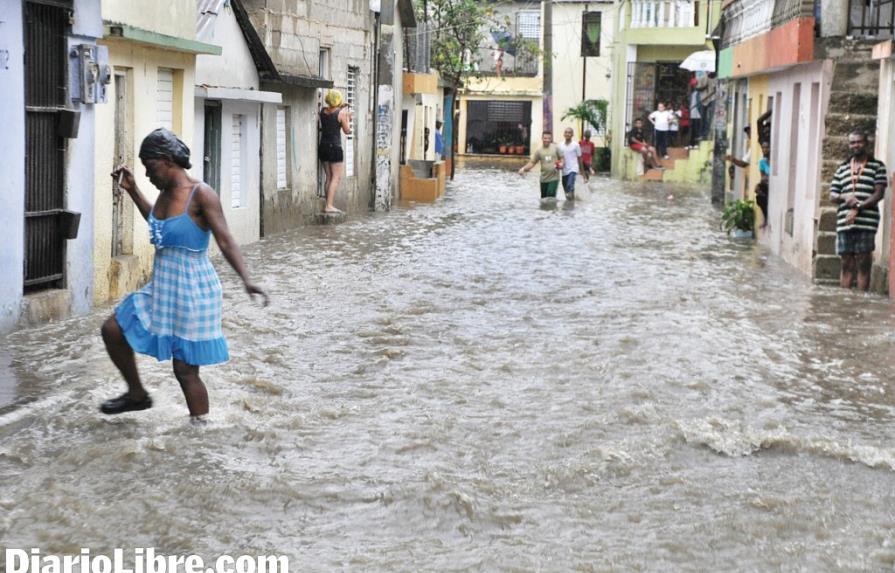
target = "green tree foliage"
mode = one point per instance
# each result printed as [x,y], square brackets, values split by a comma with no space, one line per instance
[592,112]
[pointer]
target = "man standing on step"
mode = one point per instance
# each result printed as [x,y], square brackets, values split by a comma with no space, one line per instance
[858,185]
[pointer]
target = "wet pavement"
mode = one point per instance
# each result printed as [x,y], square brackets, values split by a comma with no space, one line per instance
[485,384]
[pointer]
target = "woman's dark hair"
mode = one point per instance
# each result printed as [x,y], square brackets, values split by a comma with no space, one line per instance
[163,144]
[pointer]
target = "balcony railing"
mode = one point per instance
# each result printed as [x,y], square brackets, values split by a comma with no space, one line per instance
[520,65]
[664,13]
[746,19]
[871,18]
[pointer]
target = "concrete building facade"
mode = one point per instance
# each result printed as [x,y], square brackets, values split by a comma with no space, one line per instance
[583,35]
[227,136]
[152,52]
[47,110]
[809,64]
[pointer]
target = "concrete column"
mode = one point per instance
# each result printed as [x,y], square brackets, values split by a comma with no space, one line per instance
[833,18]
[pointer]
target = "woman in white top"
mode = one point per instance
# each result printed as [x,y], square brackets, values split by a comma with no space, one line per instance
[661,120]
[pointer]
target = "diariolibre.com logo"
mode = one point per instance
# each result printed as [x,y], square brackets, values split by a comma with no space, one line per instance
[139,560]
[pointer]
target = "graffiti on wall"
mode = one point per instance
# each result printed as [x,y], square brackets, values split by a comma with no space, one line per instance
[384,129]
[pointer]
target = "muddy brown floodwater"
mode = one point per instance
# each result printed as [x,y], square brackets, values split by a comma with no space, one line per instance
[485,384]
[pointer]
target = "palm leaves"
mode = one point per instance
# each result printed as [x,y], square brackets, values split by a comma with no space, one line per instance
[592,112]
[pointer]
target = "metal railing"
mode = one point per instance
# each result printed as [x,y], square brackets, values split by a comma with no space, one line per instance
[664,13]
[520,65]
[745,19]
[871,18]
[417,48]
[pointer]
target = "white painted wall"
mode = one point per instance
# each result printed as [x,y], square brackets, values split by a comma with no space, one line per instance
[885,150]
[797,248]
[12,163]
[568,65]
[234,68]
[244,221]
[171,17]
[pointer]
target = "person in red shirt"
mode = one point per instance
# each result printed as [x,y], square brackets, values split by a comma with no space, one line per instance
[587,154]
[684,123]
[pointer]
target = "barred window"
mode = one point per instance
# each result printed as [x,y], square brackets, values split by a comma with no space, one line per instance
[528,24]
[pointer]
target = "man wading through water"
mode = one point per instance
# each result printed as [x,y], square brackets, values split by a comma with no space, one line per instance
[858,185]
[551,166]
[178,314]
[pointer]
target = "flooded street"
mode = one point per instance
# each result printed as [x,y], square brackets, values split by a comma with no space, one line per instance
[484,384]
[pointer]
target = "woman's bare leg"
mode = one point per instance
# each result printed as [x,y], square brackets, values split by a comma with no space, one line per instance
[193,389]
[332,183]
[122,356]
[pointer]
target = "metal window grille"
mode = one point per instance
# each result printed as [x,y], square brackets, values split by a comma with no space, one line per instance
[282,178]
[351,98]
[528,24]
[236,162]
[871,18]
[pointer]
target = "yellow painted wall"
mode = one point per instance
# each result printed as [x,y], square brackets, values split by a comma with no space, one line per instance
[171,17]
[141,65]
[759,90]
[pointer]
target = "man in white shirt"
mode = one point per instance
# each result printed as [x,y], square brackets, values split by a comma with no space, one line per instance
[661,120]
[571,154]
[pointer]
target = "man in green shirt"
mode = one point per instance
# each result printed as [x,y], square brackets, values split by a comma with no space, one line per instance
[551,165]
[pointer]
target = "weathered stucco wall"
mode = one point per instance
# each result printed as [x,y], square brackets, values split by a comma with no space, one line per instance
[141,65]
[235,66]
[171,17]
[12,163]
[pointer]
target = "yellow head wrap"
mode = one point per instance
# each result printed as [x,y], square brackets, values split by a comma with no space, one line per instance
[333,98]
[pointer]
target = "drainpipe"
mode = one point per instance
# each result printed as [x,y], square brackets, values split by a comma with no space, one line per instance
[548,65]
[377,28]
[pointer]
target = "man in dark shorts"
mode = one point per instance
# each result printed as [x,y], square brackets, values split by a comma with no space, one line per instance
[551,165]
[637,142]
[858,185]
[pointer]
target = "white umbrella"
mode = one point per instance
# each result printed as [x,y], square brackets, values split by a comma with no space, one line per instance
[703,61]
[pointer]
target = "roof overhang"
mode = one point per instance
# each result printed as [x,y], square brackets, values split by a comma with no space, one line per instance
[301,81]
[116,31]
[238,94]
[408,15]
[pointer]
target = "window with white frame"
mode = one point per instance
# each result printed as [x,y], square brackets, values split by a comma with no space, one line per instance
[164,115]
[528,24]
[282,148]
[236,163]
[350,99]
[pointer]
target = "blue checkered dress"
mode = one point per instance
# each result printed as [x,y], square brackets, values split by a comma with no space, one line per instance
[178,314]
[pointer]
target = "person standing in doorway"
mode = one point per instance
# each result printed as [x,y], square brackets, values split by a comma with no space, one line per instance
[708,91]
[551,166]
[178,314]
[857,187]
[661,120]
[439,141]
[587,155]
[762,190]
[683,113]
[335,119]
[695,115]
[571,163]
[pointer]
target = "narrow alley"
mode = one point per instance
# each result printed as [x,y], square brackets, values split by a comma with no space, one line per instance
[484,383]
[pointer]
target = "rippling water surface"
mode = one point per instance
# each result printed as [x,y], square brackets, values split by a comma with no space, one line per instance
[485,384]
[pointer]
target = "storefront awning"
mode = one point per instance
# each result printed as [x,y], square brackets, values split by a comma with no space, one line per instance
[238,94]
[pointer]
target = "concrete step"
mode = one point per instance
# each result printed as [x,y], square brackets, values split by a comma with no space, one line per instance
[653,175]
[835,146]
[854,101]
[678,153]
[667,163]
[855,75]
[839,123]
[825,243]
[828,168]
[330,218]
[827,282]
[826,267]
[827,221]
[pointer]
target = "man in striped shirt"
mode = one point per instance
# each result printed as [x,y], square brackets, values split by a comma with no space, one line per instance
[858,185]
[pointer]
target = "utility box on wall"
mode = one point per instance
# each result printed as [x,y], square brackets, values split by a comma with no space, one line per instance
[90,73]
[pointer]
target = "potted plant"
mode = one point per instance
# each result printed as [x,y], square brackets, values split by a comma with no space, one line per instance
[520,150]
[739,218]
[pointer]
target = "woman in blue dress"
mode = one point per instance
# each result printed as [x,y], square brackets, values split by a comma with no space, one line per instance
[178,314]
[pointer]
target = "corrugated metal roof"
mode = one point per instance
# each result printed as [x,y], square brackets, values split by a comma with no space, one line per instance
[208,13]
